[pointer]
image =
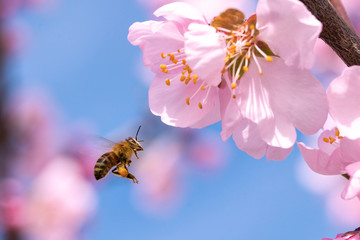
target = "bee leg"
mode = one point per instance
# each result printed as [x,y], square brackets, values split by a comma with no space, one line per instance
[120,170]
[132,177]
[136,155]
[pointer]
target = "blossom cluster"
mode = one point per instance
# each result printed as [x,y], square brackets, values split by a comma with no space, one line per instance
[252,74]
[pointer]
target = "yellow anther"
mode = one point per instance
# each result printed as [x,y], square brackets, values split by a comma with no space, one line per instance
[332,139]
[162,55]
[184,61]
[164,70]
[182,78]
[233,85]
[247,44]
[326,140]
[268,58]
[178,50]
[195,78]
[227,58]
[183,72]
[200,105]
[223,70]
[234,96]
[337,132]
[188,69]
[245,68]
[163,66]
[175,61]
[247,57]
[167,81]
[202,87]
[252,27]
[187,80]
[260,73]
[340,137]
[188,101]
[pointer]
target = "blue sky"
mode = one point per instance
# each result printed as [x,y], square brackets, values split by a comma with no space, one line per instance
[79,53]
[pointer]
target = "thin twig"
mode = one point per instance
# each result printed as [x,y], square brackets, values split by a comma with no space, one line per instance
[336,32]
[341,11]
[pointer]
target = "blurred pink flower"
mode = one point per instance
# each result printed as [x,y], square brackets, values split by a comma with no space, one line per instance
[12,205]
[195,56]
[60,201]
[159,190]
[35,138]
[340,212]
[263,102]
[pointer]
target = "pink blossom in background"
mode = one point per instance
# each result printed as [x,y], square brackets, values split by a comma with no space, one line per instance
[275,95]
[12,205]
[340,212]
[35,136]
[60,202]
[160,188]
[206,153]
[352,9]
[328,64]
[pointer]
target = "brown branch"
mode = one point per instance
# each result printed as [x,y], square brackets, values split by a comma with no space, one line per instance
[336,33]
[339,7]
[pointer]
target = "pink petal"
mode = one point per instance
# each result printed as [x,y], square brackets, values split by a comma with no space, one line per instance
[353,187]
[289,29]
[321,162]
[277,153]
[295,94]
[254,99]
[247,138]
[205,53]
[169,102]
[230,112]
[154,38]
[180,12]
[350,150]
[344,101]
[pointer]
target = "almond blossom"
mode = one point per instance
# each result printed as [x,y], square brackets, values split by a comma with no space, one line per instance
[268,89]
[352,235]
[261,109]
[187,57]
[339,145]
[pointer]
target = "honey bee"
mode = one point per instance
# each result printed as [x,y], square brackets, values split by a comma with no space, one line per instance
[119,157]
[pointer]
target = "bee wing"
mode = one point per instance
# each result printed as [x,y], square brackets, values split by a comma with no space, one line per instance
[96,146]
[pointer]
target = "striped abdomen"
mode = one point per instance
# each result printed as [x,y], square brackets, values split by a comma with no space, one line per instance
[104,164]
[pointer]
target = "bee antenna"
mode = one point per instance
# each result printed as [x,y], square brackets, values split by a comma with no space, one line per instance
[140,140]
[137,132]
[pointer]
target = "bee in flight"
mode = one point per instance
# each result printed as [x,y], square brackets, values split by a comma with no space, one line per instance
[119,157]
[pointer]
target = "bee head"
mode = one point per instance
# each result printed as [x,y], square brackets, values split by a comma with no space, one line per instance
[135,144]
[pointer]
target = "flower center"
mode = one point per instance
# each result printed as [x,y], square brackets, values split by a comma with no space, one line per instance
[177,66]
[242,45]
[333,139]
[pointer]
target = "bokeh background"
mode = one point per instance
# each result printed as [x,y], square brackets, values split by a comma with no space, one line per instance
[69,76]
